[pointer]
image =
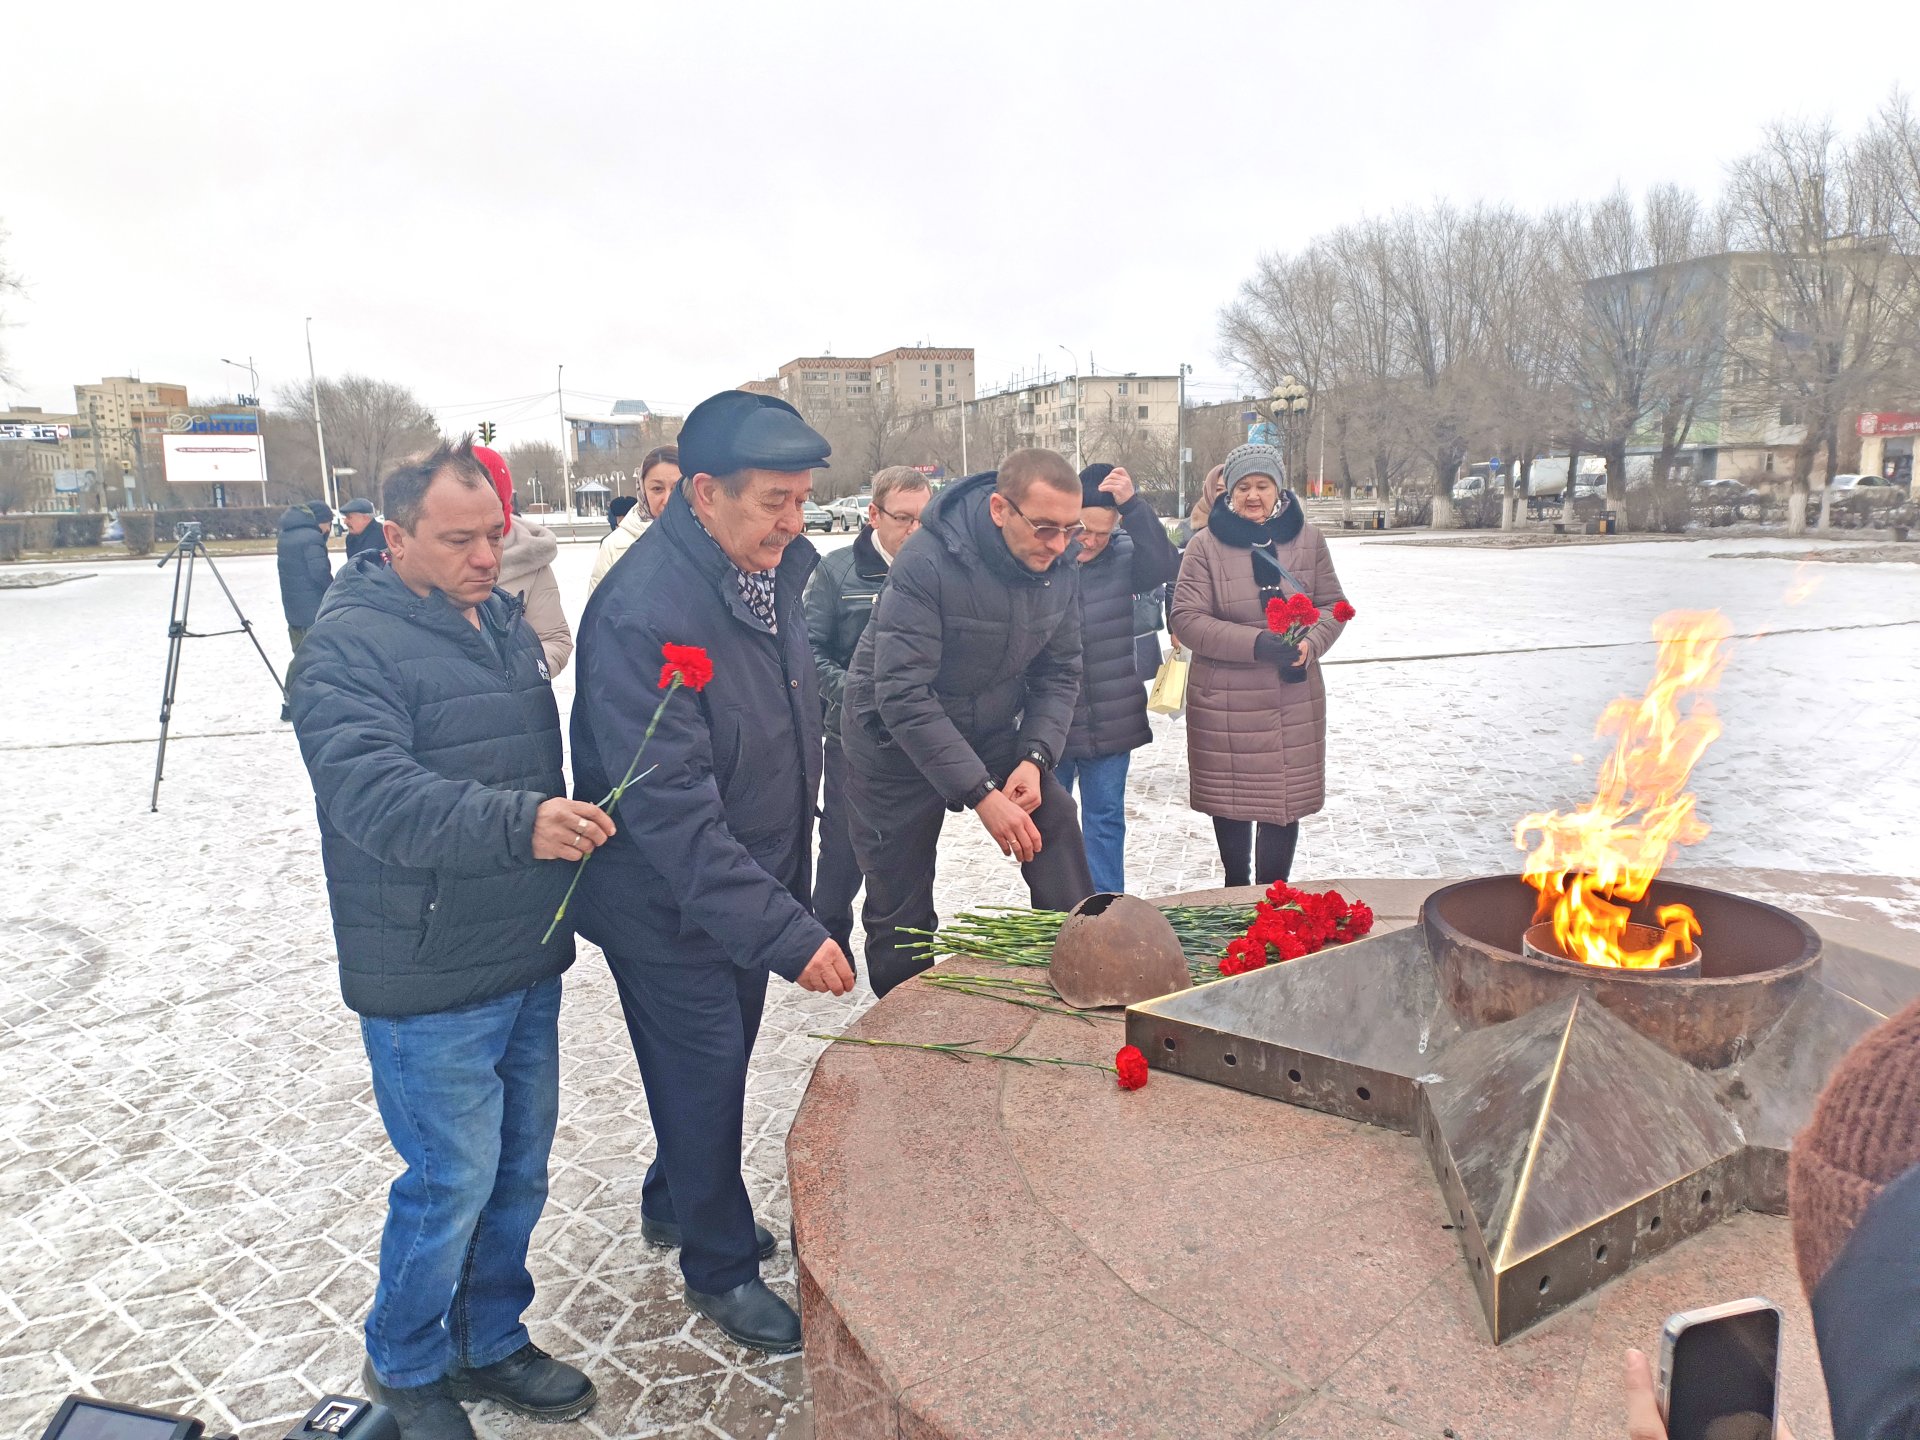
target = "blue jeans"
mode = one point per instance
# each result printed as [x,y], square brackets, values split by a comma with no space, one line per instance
[1103,815]
[470,1098]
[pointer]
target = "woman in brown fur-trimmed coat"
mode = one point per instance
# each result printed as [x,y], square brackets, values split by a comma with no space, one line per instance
[1256,706]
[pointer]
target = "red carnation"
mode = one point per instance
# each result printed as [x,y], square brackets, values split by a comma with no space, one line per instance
[1130,1066]
[1359,919]
[1342,611]
[1243,955]
[686,663]
[1302,610]
[1276,614]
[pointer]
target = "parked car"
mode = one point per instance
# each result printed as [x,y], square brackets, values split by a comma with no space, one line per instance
[850,511]
[1863,499]
[818,517]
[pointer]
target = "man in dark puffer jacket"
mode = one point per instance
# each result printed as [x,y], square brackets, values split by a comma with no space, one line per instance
[1110,717]
[960,694]
[305,570]
[423,711]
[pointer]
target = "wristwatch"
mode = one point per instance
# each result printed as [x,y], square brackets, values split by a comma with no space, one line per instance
[1039,757]
[980,792]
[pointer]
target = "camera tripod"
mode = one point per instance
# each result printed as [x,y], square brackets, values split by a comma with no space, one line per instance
[187,548]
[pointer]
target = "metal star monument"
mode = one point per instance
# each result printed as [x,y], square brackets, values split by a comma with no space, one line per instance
[1579,1119]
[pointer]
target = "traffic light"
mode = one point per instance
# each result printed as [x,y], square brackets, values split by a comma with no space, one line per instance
[486,432]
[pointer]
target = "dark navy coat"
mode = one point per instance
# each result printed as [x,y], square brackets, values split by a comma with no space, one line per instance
[305,570]
[430,745]
[713,858]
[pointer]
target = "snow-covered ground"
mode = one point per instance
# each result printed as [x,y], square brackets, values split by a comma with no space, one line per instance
[190,1169]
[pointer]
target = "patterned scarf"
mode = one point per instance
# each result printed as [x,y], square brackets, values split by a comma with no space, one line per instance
[756,586]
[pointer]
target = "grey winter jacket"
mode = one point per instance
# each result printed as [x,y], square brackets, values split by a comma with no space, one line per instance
[1110,715]
[305,570]
[968,651]
[430,745]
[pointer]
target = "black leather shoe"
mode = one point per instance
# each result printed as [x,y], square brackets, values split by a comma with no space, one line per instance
[665,1235]
[529,1381]
[751,1315]
[423,1412]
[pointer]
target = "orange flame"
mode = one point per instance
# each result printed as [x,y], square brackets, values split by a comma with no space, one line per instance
[1591,865]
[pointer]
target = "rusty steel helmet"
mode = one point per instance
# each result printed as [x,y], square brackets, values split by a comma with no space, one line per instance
[1116,950]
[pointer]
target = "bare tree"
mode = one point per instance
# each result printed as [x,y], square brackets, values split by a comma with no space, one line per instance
[370,425]
[1824,295]
[1645,321]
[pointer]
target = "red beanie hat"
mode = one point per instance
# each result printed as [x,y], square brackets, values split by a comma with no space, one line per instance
[502,480]
[1865,1132]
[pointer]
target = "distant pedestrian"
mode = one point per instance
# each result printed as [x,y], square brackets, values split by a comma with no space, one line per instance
[659,473]
[305,570]
[1256,706]
[431,735]
[365,535]
[960,694]
[526,567]
[1124,552]
[704,892]
[617,509]
[839,603]
[1211,489]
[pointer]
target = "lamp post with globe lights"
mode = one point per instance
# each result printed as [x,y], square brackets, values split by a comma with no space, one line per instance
[1288,403]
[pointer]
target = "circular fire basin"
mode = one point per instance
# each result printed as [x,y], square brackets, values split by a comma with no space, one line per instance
[1755,959]
[1540,943]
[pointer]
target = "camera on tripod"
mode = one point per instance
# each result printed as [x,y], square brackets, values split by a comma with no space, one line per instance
[335,1417]
[187,532]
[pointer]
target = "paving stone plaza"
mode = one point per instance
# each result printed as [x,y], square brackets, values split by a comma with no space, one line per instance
[191,1167]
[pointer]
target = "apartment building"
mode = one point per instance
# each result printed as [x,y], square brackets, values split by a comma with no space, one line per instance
[910,377]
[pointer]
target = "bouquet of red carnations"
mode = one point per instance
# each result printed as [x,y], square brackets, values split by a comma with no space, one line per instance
[1292,617]
[1290,923]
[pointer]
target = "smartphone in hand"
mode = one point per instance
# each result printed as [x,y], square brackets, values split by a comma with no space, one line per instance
[1720,1371]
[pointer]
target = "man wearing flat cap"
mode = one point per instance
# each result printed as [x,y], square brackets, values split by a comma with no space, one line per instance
[704,890]
[364,537]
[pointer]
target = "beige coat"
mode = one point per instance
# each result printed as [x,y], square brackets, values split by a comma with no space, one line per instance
[632,526]
[1256,745]
[526,570]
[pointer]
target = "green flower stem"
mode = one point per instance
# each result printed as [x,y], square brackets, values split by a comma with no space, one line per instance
[962,1051]
[612,798]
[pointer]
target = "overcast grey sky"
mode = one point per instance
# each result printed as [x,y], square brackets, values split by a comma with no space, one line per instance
[671,199]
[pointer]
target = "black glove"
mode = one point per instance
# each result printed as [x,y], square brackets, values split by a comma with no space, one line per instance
[1273,650]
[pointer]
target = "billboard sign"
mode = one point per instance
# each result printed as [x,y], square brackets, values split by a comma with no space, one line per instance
[218,423]
[15,431]
[1889,424]
[72,482]
[214,459]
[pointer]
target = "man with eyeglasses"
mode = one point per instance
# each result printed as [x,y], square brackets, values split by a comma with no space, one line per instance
[960,694]
[839,603]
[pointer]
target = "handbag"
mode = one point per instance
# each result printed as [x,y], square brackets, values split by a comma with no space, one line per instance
[1169,693]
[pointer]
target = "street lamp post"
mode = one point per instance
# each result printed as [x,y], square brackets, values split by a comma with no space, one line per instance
[253,378]
[1289,403]
[319,437]
[1079,410]
[253,398]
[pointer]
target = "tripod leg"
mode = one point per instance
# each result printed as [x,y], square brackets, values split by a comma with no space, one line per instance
[246,625]
[176,637]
